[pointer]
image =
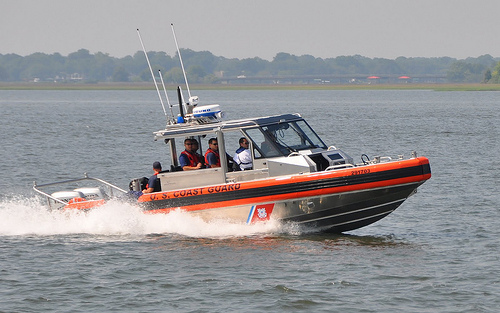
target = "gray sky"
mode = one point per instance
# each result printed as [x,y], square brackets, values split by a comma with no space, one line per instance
[254,28]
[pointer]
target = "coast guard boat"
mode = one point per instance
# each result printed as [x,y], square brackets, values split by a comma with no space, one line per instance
[295,176]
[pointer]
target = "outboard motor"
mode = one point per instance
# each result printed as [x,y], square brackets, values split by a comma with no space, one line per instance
[67,195]
[138,184]
[92,193]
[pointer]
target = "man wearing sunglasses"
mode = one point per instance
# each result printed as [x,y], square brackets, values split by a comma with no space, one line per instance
[190,159]
[212,157]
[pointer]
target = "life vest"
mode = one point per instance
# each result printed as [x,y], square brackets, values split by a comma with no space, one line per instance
[216,154]
[194,158]
[242,165]
[240,150]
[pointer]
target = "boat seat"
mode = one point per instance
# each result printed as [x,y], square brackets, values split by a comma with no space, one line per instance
[175,168]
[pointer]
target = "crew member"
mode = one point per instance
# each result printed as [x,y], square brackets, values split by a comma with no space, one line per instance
[212,157]
[189,158]
[243,156]
[154,182]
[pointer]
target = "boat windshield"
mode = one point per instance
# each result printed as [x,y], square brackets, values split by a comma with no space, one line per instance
[284,138]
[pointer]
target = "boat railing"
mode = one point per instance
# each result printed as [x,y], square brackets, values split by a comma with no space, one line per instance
[37,187]
[338,166]
[382,159]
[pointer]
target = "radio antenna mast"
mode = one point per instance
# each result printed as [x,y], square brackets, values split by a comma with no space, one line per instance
[166,95]
[152,74]
[180,58]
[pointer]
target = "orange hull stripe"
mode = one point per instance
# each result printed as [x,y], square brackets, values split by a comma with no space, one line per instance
[295,195]
[298,178]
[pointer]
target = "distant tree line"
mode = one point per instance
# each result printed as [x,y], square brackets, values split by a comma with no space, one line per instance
[204,67]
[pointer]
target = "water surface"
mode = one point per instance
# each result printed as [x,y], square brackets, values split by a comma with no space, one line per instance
[438,252]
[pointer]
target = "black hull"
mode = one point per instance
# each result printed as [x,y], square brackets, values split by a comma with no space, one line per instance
[355,210]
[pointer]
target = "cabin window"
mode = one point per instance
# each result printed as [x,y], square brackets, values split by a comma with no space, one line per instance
[313,139]
[293,136]
[281,139]
[285,138]
[262,145]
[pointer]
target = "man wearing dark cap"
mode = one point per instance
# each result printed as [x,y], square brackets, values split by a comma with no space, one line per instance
[154,182]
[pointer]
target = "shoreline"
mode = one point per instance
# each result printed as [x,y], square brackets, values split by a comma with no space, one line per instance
[150,86]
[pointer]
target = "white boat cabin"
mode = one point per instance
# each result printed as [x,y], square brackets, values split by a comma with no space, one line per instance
[280,145]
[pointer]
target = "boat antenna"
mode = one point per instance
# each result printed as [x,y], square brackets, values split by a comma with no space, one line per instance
[153,75]
[166,95]
[180,58]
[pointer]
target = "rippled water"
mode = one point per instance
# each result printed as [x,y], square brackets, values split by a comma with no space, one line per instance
[438,252]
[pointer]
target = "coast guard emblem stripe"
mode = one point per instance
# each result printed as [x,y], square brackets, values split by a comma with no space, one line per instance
[259,213]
